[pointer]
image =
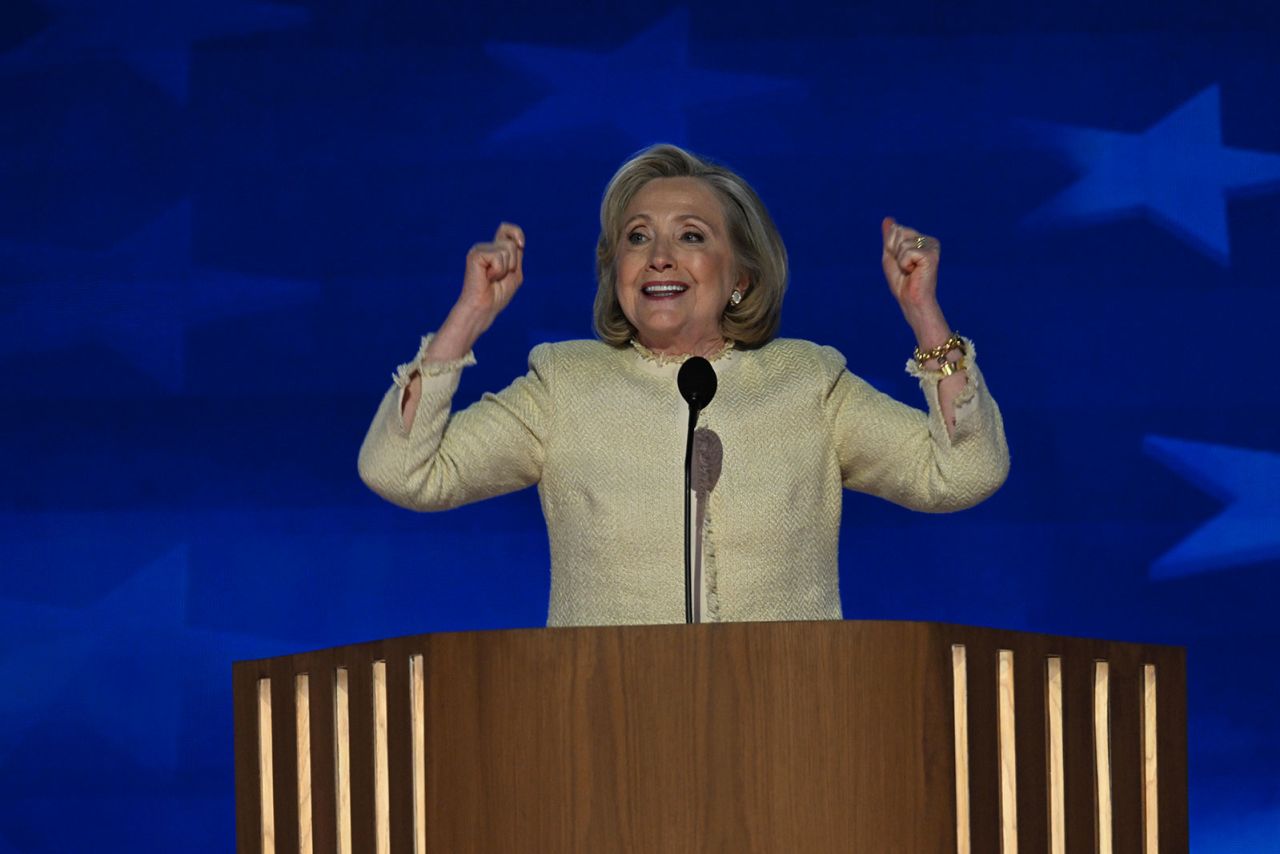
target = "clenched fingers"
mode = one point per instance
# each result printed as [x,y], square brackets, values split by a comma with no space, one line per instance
[512,232]
[906,247]
[502,257]
[511,237]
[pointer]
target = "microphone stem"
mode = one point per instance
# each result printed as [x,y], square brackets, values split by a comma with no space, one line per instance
[688,517]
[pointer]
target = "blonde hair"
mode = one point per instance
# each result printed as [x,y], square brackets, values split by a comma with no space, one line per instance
[757,247]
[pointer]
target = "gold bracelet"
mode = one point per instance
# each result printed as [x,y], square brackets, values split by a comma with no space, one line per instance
[955,342]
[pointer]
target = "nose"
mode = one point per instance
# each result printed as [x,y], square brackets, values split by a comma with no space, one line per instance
[660,255]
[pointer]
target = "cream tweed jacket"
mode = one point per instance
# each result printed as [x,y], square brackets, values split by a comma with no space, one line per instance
[601,431]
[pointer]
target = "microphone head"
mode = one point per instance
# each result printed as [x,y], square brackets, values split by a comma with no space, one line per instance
[697,382]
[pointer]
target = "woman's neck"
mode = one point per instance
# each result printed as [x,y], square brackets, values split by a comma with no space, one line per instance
[706,347]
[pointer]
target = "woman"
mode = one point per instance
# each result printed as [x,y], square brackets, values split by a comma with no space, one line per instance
[688,262]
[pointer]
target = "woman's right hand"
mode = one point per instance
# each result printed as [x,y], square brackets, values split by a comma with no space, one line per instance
[494,273]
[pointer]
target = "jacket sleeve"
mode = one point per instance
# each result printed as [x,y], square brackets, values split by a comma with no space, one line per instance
[905,455]
[446,459]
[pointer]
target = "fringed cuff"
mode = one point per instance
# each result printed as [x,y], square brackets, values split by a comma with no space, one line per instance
[965,400]
[405,372]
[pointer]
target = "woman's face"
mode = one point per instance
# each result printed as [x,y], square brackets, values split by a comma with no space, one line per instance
[675,266]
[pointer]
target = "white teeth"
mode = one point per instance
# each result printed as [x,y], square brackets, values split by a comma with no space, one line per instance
[663,290]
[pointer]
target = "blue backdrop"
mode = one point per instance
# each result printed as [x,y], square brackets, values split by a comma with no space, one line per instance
[224,222]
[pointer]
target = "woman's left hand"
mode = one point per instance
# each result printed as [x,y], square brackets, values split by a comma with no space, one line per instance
[910,260]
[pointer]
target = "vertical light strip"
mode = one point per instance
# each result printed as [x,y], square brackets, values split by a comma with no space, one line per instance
[1150,770]
[960,719]
[266,771]
[1008,757]
[342,757]
[417,723]
[302,707]
[381,783]
[1102,752]
[1057,762]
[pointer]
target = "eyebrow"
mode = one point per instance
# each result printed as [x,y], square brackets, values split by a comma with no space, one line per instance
[683,216]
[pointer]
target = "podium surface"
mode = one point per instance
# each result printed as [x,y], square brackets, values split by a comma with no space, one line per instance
[735,737]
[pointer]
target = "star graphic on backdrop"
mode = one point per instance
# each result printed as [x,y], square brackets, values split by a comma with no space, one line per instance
[642,88]
[153,36]
[59,654]
[103,662]
[1177,171]
[137,298]
[1247,530]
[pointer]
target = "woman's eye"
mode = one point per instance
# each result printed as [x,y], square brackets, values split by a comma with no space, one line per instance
[691,237]
[635,237]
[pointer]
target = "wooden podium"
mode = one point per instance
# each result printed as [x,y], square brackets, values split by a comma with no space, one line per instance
[739,737]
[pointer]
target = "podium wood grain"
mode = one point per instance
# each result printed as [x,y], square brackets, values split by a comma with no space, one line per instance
[765,737]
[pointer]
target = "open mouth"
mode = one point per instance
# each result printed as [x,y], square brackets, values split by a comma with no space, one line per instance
[661,290]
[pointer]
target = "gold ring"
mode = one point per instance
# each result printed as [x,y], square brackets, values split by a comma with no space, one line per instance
[920,241]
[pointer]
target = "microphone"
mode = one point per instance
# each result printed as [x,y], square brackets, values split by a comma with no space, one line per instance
[697,383]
